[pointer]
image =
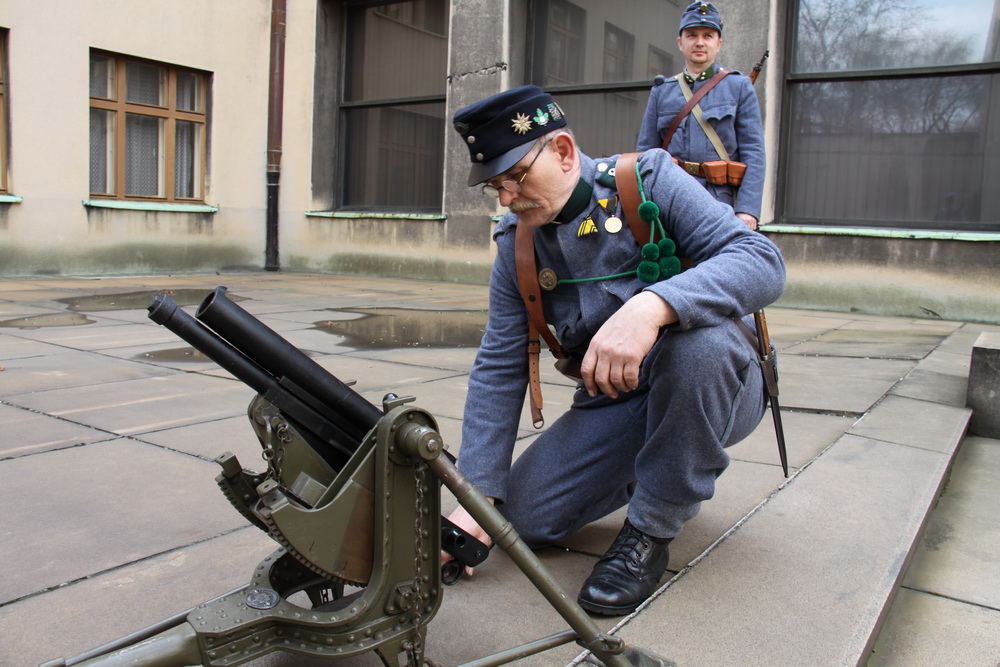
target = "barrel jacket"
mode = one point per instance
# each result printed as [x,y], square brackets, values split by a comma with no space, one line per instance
[731,107]
[737,272]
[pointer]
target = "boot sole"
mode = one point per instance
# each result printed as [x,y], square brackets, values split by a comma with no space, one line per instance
[605,610]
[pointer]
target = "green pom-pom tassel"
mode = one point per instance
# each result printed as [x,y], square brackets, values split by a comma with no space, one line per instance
[651,251]
[648,271]
[669,267]
[667,247]
[648,211]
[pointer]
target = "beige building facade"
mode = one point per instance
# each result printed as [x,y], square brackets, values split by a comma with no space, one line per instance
[313,135]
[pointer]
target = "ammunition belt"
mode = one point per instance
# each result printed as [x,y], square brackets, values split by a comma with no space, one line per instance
[716,172]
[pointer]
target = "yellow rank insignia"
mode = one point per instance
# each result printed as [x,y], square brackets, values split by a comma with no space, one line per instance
[587,227]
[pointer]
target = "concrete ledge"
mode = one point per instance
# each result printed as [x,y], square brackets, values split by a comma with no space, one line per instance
[984,386]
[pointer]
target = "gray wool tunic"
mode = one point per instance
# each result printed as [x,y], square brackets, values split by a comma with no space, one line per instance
[736,272]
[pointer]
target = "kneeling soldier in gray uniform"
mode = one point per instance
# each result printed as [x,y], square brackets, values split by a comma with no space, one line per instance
[667,378]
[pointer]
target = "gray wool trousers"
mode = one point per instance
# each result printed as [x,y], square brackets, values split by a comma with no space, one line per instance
[659,448]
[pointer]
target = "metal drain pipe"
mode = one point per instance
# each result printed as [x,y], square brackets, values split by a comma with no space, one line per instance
[275,99]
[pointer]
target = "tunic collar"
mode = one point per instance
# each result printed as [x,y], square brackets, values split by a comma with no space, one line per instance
[577,202]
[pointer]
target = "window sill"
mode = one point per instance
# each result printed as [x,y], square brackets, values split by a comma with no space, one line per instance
[149,206]
[882,232]
[349,215]
[10,199]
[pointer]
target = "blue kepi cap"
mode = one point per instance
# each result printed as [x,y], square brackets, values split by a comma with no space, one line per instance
[500,130]
[701,15]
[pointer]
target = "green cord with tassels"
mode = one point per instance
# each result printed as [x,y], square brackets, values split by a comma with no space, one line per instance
[659,258]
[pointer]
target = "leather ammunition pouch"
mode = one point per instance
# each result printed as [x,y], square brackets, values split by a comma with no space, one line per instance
[716,172]
[734,173]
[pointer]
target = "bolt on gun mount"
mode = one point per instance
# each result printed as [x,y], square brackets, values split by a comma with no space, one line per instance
[352,495]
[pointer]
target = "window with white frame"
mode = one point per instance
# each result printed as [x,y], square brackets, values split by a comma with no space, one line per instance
[148,127]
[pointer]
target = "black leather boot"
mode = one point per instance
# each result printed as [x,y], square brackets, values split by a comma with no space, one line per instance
[626,575]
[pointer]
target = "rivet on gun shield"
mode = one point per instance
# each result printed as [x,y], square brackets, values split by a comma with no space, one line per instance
[262,598]
[547,279]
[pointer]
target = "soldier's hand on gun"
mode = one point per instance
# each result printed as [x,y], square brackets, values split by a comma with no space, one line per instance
[616,351]
[461,518]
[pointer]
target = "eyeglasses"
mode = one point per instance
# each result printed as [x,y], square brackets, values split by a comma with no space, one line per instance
[511,186]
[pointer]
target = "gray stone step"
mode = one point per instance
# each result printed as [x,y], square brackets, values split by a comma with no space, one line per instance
[809,575]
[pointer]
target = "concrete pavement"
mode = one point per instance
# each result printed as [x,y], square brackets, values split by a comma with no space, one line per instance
[870,552]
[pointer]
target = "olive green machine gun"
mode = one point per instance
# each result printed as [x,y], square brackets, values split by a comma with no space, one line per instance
[351,494]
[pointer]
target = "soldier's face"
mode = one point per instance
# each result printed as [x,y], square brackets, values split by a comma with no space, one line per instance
[544,190]
[699,46]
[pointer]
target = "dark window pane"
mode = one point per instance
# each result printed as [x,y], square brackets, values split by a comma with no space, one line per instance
[395,157]
[846,35]
[907,152]
[397,51]
[619,54]
[588,116]
[590,42]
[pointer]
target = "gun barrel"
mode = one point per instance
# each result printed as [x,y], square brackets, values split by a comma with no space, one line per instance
[318,429]
[281,359]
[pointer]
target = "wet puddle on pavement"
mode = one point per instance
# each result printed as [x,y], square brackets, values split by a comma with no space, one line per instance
[96,303]
[406,327]
[378,328]
[53,320]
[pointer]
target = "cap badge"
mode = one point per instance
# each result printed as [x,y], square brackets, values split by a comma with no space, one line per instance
[541,118]
[555,111]
[521,124]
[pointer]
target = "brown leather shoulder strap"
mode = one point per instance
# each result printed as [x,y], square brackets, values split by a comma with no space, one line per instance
[686,109]
[628,192]
[627,183]
[527,283]
[531,294]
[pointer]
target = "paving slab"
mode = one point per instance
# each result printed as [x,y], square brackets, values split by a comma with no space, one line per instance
[915,423]
[959,556]
[12,347]
[26,432]
[69,369]
[74,512]
[886,343]
[69,620]
[925,629]
[836,384]
[807,434]
[823,543]
[139,406]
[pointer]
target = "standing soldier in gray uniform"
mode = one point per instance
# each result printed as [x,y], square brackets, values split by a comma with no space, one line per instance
[668,379]
[730,112]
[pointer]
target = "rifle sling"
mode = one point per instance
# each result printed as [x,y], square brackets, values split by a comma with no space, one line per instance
[686,109]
